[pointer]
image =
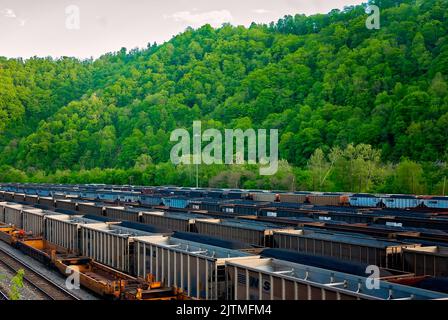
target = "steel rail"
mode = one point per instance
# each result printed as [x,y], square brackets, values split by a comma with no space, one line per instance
[47,287]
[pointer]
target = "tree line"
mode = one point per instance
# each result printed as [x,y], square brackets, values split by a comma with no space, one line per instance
[356,168]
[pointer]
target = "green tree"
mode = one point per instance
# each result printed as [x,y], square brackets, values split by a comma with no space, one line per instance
[408,178]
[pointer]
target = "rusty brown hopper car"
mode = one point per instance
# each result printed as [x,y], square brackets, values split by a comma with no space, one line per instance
[250,232]
[66,204]
[123,213]
[292,197]
[31,199]
[431,260]
[91,208]
[174,221]
[325,199]
[9,196]
[19,197]
[264,196]
[348,247]
[47,202]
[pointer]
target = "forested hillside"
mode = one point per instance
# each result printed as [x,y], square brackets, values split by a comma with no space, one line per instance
[356,109]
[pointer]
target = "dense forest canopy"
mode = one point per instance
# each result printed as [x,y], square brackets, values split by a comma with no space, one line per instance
[357,109]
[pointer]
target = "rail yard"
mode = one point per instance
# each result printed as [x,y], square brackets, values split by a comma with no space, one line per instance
[170,243]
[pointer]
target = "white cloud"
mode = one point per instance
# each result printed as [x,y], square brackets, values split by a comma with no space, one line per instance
[22,22]
[261,11]
[8,13]
[215,18]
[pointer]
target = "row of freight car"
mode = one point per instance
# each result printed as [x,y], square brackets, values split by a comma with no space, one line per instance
[271,232]
[260,234]
[388,217]
[155,195]
[392,218]
[206,267]
[397,254]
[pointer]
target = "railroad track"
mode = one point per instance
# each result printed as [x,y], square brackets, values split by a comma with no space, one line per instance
[47,287]
[3,296]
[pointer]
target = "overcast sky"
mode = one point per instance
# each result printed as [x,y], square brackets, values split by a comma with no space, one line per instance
[52,27]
